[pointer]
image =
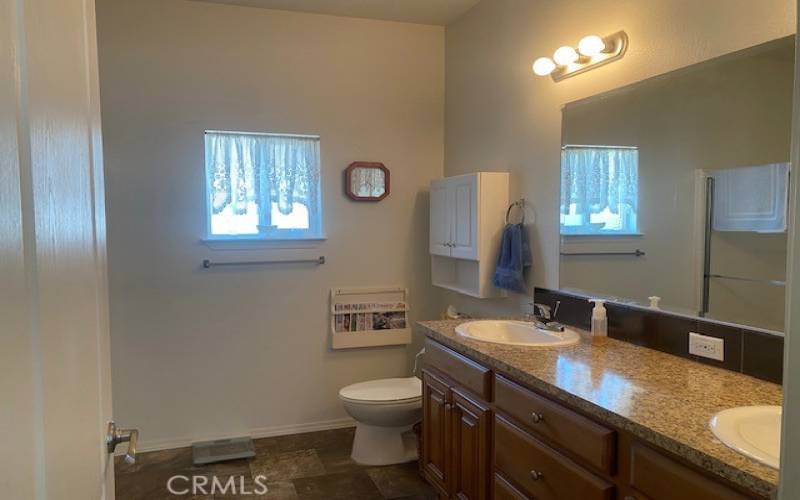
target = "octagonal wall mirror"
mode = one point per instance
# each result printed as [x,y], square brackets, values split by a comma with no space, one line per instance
[366,181]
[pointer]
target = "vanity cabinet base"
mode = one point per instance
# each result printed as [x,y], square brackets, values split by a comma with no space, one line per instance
[486,436]
[456,440]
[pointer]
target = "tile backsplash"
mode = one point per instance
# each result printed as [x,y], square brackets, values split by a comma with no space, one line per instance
[751,352]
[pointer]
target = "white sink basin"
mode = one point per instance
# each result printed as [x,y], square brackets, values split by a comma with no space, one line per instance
[754,431]
[516,333]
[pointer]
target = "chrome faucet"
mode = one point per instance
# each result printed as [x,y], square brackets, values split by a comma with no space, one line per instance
[544,317]
[544,310]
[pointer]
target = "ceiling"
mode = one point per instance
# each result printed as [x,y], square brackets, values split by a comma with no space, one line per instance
[440,12]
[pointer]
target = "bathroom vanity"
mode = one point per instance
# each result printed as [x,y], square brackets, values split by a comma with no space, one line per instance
[593,422]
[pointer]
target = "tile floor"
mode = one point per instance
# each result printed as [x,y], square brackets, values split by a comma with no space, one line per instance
[311,466]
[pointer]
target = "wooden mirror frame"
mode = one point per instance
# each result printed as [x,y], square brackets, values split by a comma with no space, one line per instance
[348,178]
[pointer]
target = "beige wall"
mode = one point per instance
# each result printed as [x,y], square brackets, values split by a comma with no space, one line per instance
[500,116]
[199,353]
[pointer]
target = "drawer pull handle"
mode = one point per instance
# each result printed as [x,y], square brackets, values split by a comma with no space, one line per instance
[536,476]
[536,417]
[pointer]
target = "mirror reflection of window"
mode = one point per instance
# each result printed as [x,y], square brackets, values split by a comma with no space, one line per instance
[368,182]
[599,190]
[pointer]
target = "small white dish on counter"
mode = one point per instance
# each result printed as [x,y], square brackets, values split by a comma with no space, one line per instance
[754,431]
[516,333]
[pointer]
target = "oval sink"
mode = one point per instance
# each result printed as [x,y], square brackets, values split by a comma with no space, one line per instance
[754,431]
[516,333]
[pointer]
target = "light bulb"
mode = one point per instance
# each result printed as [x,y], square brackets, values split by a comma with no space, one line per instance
[591,45]
[543,66]
[565,55]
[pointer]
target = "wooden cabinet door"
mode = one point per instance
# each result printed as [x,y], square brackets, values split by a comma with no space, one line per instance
[440,224]
[470,434]
[463,200]
[435,432]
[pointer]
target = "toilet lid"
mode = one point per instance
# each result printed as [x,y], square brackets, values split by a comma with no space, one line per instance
[387,389]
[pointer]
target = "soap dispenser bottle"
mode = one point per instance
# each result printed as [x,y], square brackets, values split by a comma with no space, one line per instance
[599,321]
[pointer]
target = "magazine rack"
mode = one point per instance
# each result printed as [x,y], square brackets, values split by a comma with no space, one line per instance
[369,317]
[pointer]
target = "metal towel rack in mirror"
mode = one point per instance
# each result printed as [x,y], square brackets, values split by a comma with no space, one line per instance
[635,253]
[319,261]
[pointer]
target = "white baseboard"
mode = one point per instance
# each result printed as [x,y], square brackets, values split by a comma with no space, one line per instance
[262,432]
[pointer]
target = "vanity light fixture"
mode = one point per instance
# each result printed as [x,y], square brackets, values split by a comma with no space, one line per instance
[543,66]
[565,55]
[593,51]
[591,45]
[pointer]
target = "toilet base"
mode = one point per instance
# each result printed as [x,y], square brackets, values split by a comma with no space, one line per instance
[375,445]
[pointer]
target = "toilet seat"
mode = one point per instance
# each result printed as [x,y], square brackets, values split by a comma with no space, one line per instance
[383,391]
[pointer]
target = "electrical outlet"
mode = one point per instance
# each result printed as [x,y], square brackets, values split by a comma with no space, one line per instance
[707,347]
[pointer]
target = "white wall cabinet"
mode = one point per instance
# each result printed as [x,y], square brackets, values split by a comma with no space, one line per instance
[467,219]
[454,217]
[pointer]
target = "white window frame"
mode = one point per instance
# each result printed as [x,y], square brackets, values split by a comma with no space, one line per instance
[315,230]
[581,230]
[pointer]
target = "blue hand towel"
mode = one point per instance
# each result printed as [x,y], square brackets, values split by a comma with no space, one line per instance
[514,257]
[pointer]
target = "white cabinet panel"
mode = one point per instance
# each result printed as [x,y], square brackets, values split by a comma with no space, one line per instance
[440,220]
[465,217]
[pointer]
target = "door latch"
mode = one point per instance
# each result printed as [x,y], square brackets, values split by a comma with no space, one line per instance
[115,436]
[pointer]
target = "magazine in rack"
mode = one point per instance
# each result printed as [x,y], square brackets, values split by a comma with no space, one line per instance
[368,317]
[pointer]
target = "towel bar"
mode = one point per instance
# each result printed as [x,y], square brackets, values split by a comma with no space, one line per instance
[749,280]
[635,253]
[319,260]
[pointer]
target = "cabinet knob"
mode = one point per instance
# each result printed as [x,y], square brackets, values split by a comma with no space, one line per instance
[536,475]
[536,417]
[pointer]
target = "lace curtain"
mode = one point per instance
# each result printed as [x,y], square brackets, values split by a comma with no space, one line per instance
[368,182]
[250,172]
[593,179]
[599,190]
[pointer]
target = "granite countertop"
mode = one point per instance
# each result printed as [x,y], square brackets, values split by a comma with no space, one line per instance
[662,399]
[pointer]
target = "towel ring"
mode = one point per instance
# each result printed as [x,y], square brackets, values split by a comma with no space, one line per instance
[521,205]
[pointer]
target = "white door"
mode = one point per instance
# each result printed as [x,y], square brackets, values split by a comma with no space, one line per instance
[464,206]
[440,238]
[54,357]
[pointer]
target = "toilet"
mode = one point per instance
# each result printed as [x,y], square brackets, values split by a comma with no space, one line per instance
[384,410]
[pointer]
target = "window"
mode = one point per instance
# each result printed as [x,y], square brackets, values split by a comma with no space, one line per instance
[599,190]
[262,186]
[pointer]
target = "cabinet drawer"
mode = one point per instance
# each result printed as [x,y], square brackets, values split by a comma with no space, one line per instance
[577,434]
[503,490]
[540,471]
[466,372]
[661,478]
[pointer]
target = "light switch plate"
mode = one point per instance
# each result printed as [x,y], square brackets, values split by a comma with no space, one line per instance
[707,347]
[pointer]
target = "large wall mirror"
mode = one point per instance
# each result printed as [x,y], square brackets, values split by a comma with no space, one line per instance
[676,188]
